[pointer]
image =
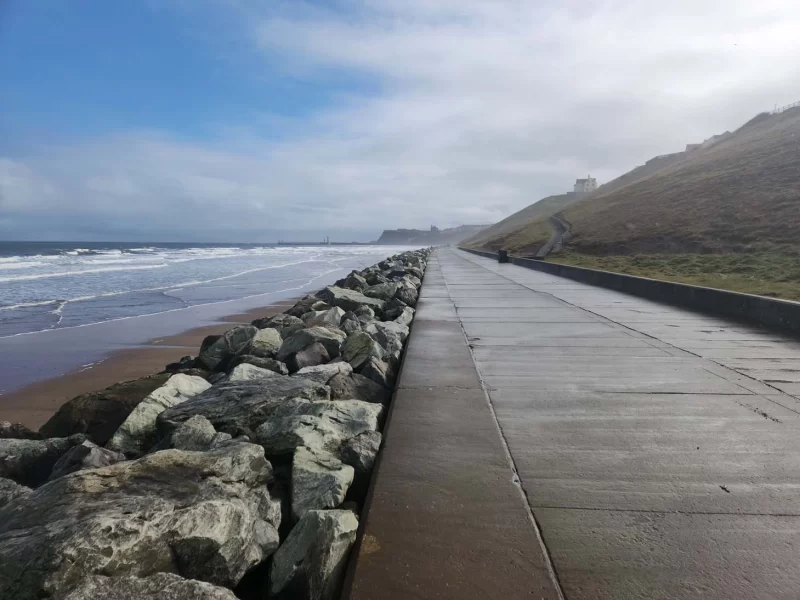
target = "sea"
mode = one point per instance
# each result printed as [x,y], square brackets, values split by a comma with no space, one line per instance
[72,303]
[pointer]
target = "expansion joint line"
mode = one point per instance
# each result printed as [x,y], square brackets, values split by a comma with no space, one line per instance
[516,480]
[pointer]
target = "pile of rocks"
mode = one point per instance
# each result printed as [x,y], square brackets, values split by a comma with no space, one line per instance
[239,473]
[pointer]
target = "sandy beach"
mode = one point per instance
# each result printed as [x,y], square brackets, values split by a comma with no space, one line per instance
[34,404]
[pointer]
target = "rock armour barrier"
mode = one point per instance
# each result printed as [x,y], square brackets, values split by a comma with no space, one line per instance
[783,315]
[237,473]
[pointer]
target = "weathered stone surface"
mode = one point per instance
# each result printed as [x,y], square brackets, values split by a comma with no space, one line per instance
[319,481]
[161,586]
[389,334]
[286,324]
[231,343]
[203,515]
[382,291]
[270,364]
[405,317]
[239,408]
[349,299]
[196,434]
[331,339]
[11,491]
[85,455]
[249,372]
[185,363]
[365,314]
[99,414]
[332,316]
[360,451]
[265,343]
[317,425]
[358,349]
[412,279]
[378,371]
[313,355]
[321,374]
[354,281]
[350,325]
[310,564]
[17,431]
[375,277]
[30,462]
[407,295]
[138,433]
[357,387]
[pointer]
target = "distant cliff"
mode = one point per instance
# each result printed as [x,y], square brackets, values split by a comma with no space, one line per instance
[424,237]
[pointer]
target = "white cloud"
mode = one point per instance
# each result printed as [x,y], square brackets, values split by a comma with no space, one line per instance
[482,107]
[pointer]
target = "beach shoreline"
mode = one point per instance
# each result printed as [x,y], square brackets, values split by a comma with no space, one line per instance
[33,404]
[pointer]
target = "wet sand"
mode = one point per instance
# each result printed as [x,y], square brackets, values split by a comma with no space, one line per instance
[34,404]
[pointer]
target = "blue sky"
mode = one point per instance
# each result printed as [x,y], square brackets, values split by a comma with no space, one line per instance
[221,120]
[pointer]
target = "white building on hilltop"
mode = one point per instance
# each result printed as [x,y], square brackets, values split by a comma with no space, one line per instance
[584,186]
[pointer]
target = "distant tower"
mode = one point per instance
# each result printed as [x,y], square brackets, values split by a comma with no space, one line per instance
[434,229]
[584,186]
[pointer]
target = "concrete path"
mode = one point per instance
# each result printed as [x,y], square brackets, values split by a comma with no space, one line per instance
[658,449]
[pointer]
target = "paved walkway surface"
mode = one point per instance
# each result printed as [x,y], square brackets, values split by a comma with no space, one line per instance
[658,450]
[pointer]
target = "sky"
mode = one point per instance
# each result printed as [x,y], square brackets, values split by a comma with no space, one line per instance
[237,120]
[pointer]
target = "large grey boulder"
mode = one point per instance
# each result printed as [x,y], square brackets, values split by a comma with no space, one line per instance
[360,451]
[231,343]
[382,291]
[317,425]
[405,317]
[313,355]
[11,491]
[365,315]
[319,481]
[321,374]
[265,343]
[407,295]
[331,339]
[161,586]
[359,347]
[99,414]
[332,316]
[284,323]
[357,387]
[310,564]
[203,515]
[354,281]
[85,455]
[17,431]
[390,335]
[30,462]
[196,434]
[239,408]
[270,364]
[349,299]
[248,372]
[378,371]
[138,433]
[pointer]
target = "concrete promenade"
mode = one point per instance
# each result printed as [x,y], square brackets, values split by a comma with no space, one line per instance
[658,450]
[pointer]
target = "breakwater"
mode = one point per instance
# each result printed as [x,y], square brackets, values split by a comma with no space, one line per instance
[237,473]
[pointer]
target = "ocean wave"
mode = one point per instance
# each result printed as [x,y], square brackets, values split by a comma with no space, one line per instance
[80,272]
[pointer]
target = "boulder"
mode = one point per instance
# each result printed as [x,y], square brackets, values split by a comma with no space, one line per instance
[10,491]
[405,317]
[375,277]
[310,564]
[319,481]
[30,462]
[161,586]
[202,515]
[231,343]
[265,343]
[382,291]
[332,316]
[248,372]
[360,451]
[407,295]
[394,309]
[270,364]
[354,281]
[283,323]
[85,455]
[412,279]
[378,371]
[365,314]
[331,339]
[99,414]
[17,431]
[350,324]
[389,334]
[317,425]
[321,374]
[185,363]
[313,355]
[138,433]
[359,347]
[349,299]
[357,387]
[196,434]
[239,408]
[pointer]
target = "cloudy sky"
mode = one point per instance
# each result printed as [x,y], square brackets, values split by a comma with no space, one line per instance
[232,120]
